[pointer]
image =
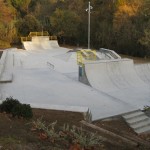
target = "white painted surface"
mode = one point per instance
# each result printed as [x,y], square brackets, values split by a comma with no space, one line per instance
[119,79]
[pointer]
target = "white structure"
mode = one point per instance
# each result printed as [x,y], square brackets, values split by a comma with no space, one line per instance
[45,76]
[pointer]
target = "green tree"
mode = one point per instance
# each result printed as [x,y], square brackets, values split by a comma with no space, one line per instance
[65,23]
[145,32]
[21,5]
[125,26]
[27,25]
[7,28]
[145,40]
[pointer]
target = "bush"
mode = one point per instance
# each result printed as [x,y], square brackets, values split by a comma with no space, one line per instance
[22,110]
[66,136]
[14,107]
[8,105]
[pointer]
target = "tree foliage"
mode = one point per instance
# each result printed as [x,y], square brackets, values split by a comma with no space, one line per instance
[7,30]
[122,25]
[28,24]
[21,5]
[144,39]
[65,22]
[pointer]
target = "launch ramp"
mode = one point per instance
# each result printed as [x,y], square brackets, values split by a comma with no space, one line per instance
[39,41]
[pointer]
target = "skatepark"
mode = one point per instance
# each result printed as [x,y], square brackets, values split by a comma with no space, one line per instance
[45,75]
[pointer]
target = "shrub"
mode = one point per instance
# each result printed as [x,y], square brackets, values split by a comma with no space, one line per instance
[14,107]
[27,111]
[22,110]
[8,105]
[66,135]
[16,111]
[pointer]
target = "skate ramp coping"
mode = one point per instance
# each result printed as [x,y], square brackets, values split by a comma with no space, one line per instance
[84,55]
[110,53]
[43,33]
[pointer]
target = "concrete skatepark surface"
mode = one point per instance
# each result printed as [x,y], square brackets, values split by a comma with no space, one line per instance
[45,76]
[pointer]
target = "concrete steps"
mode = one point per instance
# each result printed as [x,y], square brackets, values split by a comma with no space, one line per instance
[138,121]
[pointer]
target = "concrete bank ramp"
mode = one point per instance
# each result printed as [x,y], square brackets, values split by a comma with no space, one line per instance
[119,79]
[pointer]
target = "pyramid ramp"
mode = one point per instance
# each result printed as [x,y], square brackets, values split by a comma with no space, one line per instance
[138,121]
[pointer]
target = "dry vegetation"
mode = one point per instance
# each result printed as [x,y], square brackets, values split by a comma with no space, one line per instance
[17,134]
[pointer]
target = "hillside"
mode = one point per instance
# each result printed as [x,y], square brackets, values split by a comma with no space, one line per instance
[122,25]
[20,134]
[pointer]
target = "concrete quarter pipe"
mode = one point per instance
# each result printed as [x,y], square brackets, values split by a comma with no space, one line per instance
[119,79]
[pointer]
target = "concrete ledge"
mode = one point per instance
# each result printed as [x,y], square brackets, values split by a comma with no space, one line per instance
[85,110]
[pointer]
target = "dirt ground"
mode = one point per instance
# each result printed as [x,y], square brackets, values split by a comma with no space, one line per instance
[16,134]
